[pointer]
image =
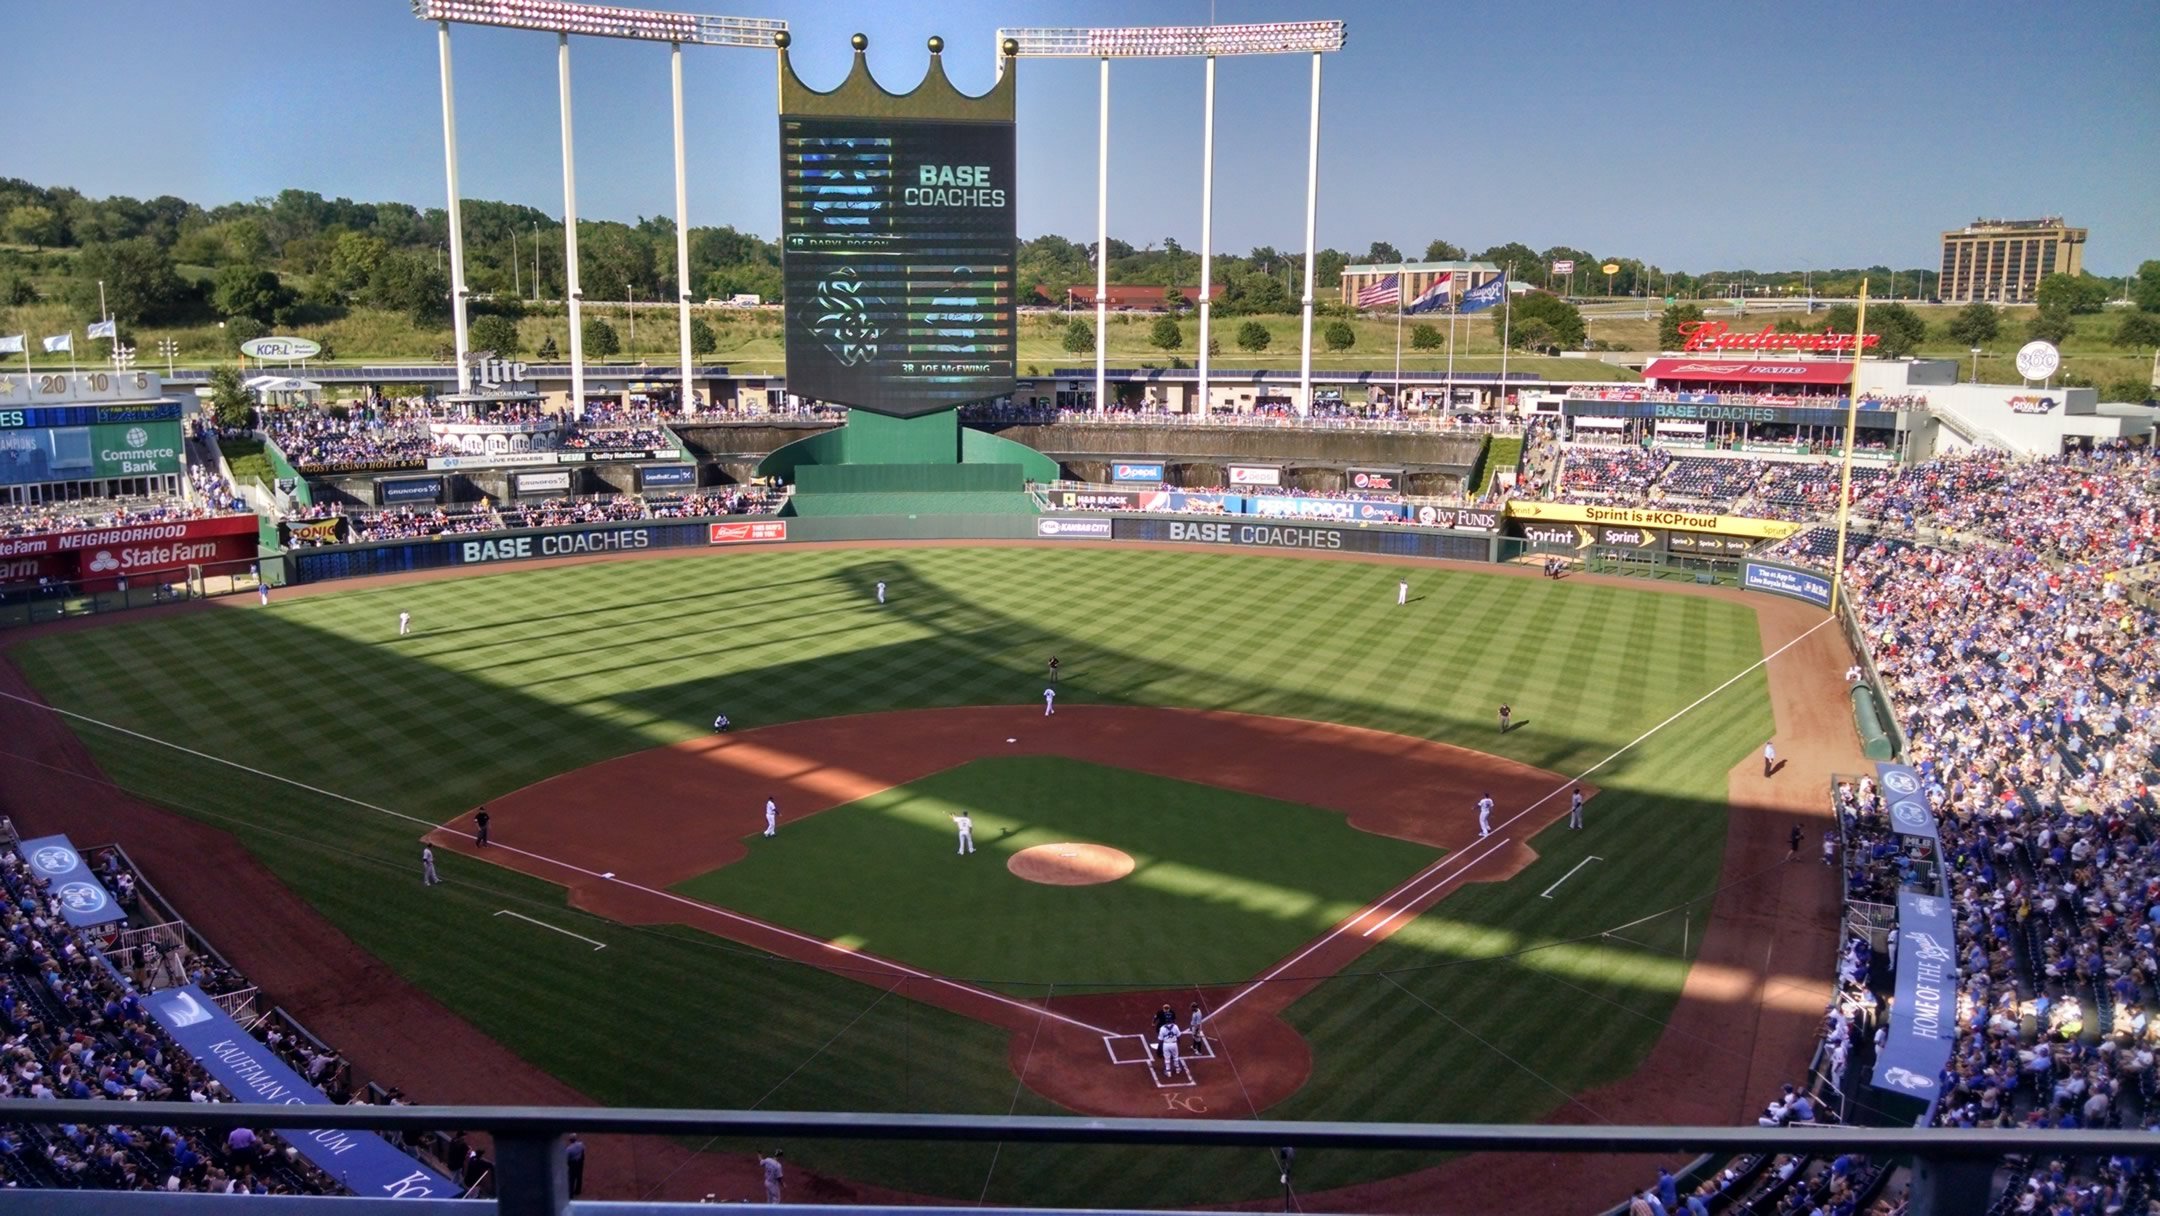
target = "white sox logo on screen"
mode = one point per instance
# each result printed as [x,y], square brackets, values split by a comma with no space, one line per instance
[1898,781]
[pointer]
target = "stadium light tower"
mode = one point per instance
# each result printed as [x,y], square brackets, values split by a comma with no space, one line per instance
[563,19]
[1189,42]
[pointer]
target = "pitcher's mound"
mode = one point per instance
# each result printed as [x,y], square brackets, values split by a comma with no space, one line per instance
[1071,865]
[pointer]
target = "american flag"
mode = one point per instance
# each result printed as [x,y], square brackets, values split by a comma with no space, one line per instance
[1384,294]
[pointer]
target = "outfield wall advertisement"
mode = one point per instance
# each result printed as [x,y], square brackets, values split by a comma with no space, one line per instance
[1243,535]
[1783,580]
[96,559]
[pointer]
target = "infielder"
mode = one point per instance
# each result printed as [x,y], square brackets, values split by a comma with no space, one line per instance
[1484,816]
[1769,759]
[966,825]
[720,724]
[404,623]
[1402,593]
[1049,701]
[1574,808]
[772,817]
[881,591]
[1167,1037]
[770,1163]
[428,876]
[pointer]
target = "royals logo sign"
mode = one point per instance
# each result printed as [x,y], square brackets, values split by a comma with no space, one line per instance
[1718,336]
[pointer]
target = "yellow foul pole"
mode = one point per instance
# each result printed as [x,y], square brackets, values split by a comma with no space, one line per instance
[1852,423]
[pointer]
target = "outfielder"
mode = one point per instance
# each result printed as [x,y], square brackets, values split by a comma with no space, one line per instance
[772,817]
[966,825]
[1168,1038]
[1402,593]
[262,593]
[428,876]
[404,623]
[1484,815]
[881,591]
[1049,701]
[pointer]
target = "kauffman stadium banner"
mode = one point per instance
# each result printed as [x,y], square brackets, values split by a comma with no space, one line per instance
[364,1162]
[1924,1015]
[84,901]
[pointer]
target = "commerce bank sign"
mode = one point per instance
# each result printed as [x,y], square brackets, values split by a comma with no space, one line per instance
[1718,336]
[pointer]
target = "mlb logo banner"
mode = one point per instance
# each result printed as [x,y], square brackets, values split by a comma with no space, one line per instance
[83,899]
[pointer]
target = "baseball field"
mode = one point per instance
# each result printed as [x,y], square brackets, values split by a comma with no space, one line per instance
[1286,760]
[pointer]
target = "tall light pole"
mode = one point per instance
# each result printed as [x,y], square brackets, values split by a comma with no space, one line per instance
[1187,42]
[1312,220]
[688,403]
[571,293]
[564,18]
[453,215]
[1102,243]
[1207,228]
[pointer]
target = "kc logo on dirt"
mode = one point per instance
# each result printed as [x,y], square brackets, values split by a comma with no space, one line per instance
[746,532]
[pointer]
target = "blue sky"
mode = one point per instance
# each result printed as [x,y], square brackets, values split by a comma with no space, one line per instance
[1695,135]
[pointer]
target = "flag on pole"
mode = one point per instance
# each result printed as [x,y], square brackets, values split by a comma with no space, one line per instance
[13,344]
[1386,293]
[1435,297]
[102,329]
[1486,295]
[65,342]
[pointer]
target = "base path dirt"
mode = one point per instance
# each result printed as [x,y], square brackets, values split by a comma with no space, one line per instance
[1779,930]
[701,800]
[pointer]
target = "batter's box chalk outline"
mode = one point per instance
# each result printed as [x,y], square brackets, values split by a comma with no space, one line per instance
[1185,1078]
[1110,1044]
[1194,1052]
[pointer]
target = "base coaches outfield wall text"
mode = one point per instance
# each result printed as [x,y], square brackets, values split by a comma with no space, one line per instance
[1236,534]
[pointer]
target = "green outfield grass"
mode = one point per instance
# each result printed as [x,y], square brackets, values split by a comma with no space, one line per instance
[513,676]
[1223,883]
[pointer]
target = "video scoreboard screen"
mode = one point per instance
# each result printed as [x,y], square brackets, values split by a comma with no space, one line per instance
[898,243]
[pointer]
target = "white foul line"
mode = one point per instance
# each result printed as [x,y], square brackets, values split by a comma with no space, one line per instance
[1438,866]
[1547,893]
[558,928]
[575,869]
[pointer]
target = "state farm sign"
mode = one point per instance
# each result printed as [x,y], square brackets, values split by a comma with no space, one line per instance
[96,559]
[1717,335]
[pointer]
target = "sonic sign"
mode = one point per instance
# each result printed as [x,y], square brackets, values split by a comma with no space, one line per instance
[1718,336]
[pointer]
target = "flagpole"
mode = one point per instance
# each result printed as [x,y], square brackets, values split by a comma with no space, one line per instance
[1507,322]
[1400,276]
[1852,421]
[1454,309]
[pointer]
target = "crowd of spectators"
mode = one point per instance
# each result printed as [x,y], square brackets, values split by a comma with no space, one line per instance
[78,515]
[413,523]
[400,432]
[1873,399]
[1611,474]
[76,1029]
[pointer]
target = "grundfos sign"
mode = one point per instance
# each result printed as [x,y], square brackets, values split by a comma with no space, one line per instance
[1717,335]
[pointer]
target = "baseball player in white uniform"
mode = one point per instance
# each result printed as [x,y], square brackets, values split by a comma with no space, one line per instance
[428,876]
[1167,1037]
[1049,701]
[404,623]
[1402,593]
[772,817]
[1484,815]
[881,591]
[1574,808]
[966,825]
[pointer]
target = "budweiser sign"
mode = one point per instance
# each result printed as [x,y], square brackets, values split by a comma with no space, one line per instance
[1717,335]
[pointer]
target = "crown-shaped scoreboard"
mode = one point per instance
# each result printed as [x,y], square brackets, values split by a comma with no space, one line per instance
[898,239]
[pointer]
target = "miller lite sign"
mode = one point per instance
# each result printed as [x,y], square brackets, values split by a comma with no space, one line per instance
[491,372]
